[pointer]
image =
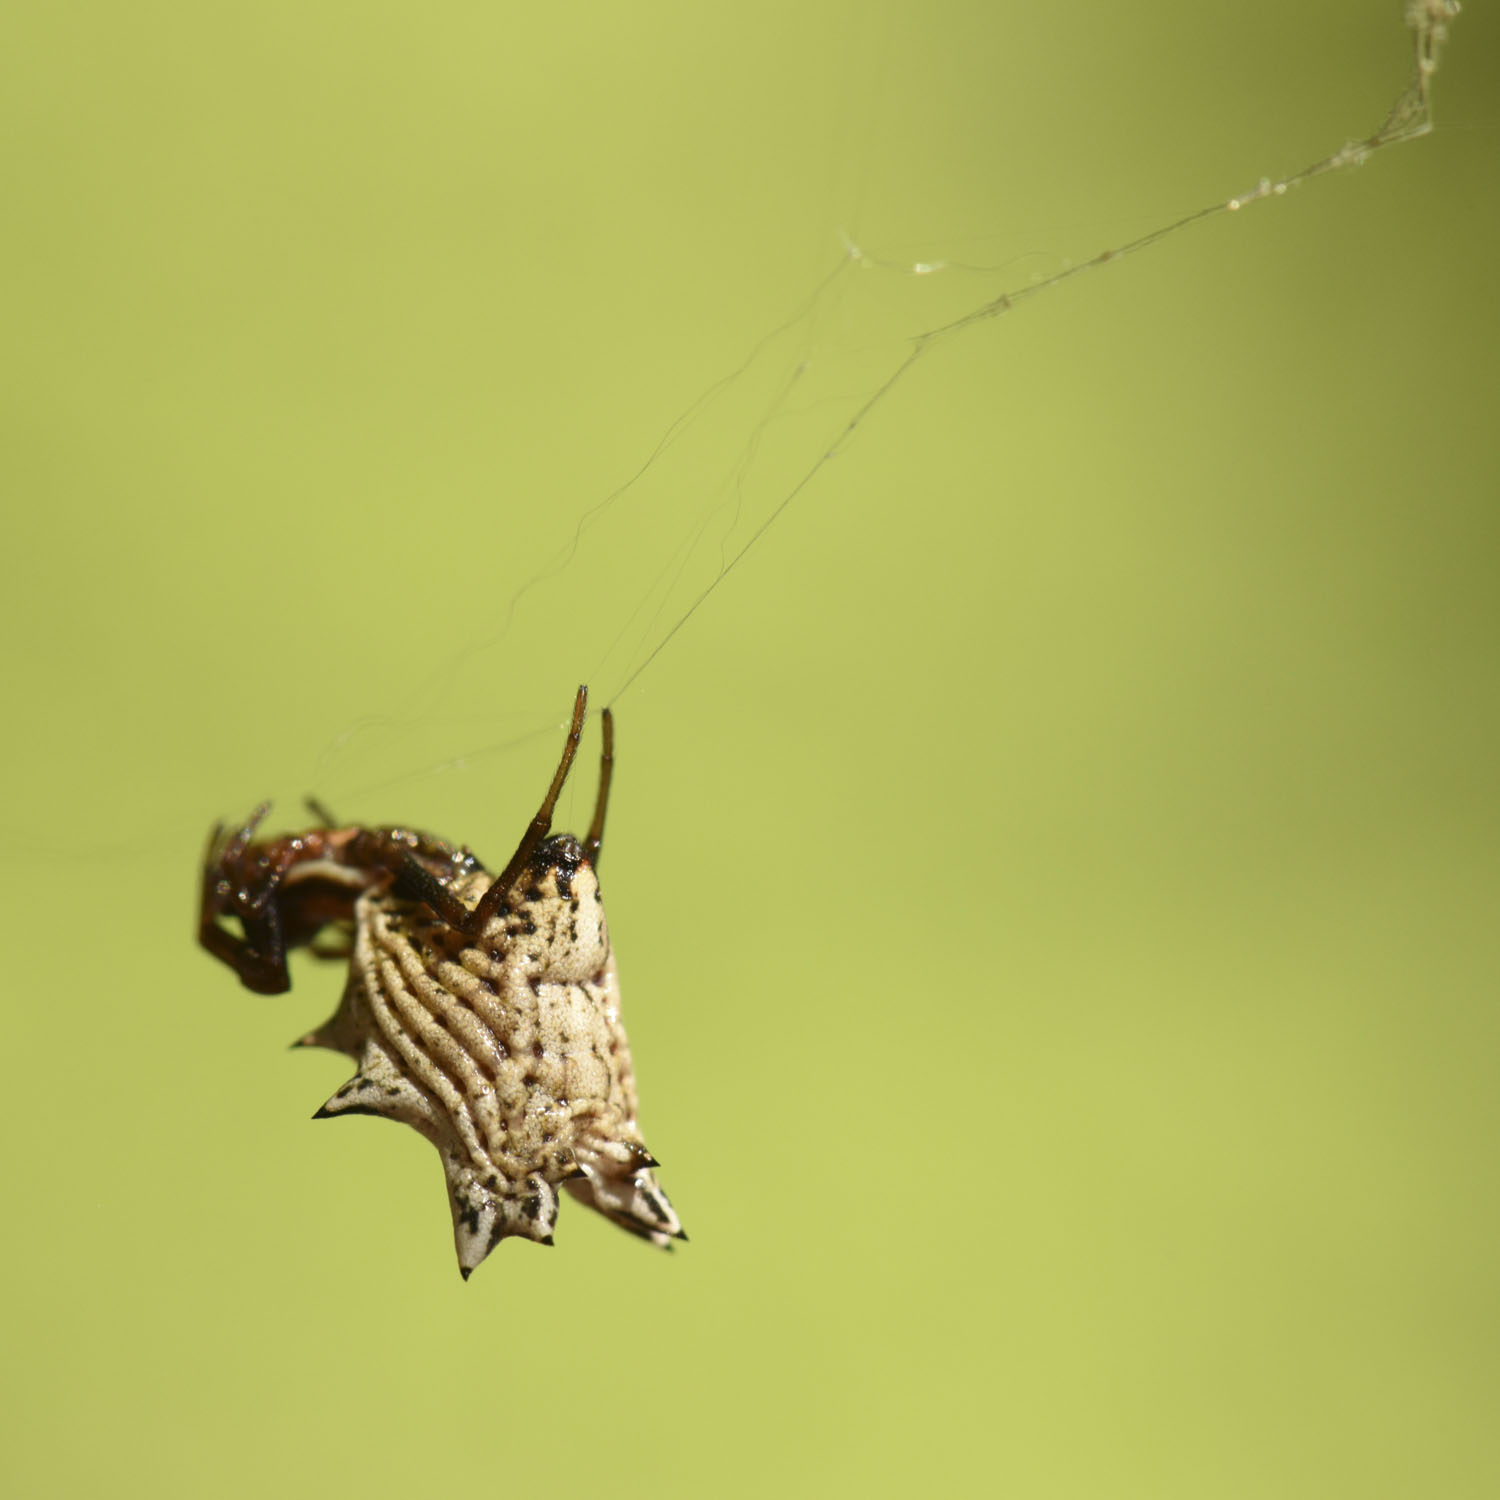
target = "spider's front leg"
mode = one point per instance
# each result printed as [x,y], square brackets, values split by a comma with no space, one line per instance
[259,957]
[282,892]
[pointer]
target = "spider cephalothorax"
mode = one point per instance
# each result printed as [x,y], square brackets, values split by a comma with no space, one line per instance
[484,1011]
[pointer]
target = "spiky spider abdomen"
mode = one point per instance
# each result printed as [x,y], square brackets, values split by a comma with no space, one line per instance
[481,1010]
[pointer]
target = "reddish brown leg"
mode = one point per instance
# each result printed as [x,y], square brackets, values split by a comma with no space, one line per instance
[401,851]
[474,922]
[595,840]
[414,882]
[259,958]
[319,810]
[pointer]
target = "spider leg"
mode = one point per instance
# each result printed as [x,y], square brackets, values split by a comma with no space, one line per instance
[319,810]
[260,961]
[595,840]
[475,921]
[223,853]
[414,882]
[259,958]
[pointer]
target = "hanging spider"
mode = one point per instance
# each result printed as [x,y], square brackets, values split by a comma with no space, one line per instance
[483,1011]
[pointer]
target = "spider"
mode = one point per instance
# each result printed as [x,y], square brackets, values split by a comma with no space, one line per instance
[483,1011]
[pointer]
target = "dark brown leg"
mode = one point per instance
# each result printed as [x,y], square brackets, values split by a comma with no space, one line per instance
[259,961]
[477,920]
[319,810]
[415,883]
[401,851]
[259,958]
[595,840]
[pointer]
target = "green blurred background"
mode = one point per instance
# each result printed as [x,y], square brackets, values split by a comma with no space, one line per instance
[1054,876]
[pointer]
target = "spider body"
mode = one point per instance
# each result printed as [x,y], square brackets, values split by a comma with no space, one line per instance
[482,1010]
